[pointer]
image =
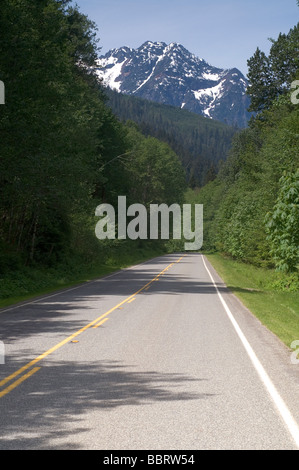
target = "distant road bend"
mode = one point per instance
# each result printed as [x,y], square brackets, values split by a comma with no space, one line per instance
[158,356]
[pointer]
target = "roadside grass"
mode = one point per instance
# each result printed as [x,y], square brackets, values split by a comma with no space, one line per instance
[27,283]
[37,282]
[272,297]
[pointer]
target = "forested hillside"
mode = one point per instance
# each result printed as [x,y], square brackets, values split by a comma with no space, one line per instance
[201,143]
[252,207]
[63,151]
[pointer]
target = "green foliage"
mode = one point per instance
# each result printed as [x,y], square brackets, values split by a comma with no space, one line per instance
[200,143]
[62,150]
[283,224]
[260,80]
[271,76]
[48,143]
[23,282]
[287,282]
[251,209]
[154,171]
[272,296]
[250,185]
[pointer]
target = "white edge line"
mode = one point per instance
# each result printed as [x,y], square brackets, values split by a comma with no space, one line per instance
[278,401]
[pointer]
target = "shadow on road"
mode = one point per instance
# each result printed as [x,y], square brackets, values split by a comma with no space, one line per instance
[68,392]
[57,314]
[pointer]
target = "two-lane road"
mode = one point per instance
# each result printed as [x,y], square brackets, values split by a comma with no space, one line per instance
[158,356]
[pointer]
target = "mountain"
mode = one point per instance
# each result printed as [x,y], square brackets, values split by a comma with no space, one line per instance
[170,74]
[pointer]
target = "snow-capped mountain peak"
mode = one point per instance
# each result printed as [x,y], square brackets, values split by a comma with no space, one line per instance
[170,74]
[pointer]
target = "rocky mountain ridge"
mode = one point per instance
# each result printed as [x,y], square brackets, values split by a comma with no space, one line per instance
[170,74]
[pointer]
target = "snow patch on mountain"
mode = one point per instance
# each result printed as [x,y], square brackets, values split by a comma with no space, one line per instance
[211,76]
[208,97]
[112,74]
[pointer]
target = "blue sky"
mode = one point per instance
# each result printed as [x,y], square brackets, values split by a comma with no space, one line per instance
[223,32]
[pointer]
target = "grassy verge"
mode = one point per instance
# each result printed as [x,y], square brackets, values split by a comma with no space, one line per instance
[25,283]
[270,296]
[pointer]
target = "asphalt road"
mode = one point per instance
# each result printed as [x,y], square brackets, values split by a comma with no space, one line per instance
[157,356]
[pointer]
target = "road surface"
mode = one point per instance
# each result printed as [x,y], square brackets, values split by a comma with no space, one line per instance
[157,356]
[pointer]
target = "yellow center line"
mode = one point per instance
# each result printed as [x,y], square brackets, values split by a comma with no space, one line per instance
[101,323]
[42,356]
[18,382]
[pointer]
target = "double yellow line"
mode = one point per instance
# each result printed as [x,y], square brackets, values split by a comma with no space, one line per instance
[95,324]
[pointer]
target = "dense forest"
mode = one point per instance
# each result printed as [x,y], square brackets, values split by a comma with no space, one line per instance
[66,147]
[251,209]
[63,152]
[202,144]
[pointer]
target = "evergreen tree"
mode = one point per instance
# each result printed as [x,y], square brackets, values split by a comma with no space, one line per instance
[269,77]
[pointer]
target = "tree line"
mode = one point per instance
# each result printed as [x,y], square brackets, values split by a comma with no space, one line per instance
[252,206]
[201,143]
[62,150]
